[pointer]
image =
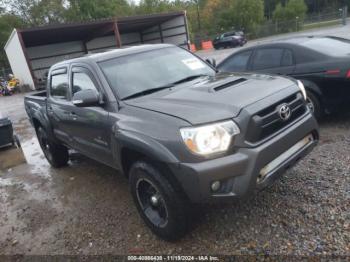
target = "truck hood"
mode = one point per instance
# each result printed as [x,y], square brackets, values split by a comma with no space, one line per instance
[209,100]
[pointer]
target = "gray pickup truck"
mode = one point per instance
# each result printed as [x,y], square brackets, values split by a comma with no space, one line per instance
[180,131]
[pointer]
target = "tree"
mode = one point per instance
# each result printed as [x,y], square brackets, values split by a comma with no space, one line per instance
[247,15]
[37,12]
[287,17]
[79,10]
[7,23]
[48,12]
[270,6]
[213,12]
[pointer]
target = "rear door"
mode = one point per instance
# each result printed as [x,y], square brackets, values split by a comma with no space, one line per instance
[58,104]
[273,60]
[90,127]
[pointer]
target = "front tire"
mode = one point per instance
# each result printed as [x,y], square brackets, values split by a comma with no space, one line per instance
[56,154]
[314,105]
[159,202]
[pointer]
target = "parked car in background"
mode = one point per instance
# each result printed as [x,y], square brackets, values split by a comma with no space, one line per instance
[230,39]
[179,131]
[321,63]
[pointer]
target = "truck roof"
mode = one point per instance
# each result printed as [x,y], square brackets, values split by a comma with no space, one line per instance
[97,57]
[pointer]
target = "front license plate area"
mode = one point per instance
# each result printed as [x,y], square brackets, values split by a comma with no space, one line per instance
[274,164]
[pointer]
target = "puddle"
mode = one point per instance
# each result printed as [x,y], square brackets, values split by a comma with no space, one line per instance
[35,157]
[6,182]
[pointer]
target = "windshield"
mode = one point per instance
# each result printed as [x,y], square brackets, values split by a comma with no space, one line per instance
[329,46]
[137,73]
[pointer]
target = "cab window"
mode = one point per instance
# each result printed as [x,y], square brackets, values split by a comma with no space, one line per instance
[59,86]
[82,81]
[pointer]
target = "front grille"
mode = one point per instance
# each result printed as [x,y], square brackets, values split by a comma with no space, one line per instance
[267,122]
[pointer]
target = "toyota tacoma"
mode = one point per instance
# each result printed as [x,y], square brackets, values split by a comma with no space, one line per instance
[180,131]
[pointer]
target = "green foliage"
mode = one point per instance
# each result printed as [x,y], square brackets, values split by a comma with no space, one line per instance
[223,15]
[288,17]
[269,6]
[245,15]
[48,12]
[7,23]
[79,10]
[35,12]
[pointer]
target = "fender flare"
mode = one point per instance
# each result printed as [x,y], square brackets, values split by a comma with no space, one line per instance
[141,144]
[43,120]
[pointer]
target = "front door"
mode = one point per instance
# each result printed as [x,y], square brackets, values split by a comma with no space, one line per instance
[90,127]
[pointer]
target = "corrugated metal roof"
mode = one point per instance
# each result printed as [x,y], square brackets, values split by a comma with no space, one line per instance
[58,33]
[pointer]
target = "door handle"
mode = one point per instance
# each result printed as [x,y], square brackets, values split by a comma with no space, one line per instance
[50,110]
[73,115]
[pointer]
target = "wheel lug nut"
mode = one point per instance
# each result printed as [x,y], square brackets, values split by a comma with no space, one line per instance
[154,200]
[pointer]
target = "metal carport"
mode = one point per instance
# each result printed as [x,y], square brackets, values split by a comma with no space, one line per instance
[31,52]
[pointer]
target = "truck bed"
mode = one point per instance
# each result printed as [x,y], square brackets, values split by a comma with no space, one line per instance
[35,102]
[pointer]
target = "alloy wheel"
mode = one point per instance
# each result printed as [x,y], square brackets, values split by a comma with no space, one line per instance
[152,203]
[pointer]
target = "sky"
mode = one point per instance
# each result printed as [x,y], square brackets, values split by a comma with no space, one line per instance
[135,1]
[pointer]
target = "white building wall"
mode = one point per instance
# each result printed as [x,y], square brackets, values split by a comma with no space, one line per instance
[17,60]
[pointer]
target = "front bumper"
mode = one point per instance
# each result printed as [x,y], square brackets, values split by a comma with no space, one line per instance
[238,173]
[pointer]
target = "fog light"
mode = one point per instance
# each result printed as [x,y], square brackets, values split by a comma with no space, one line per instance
[215,186]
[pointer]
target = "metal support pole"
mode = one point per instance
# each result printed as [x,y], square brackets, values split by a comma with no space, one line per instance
[198,17]
[117,34]
[345,14]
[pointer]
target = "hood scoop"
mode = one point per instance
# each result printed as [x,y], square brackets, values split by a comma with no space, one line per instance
[229,84]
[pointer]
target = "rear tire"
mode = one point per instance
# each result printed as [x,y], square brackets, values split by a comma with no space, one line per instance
[159,202]
[56,154]
[314,103]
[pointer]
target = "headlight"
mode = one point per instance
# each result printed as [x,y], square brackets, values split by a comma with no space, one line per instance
[210,139]
[302,89]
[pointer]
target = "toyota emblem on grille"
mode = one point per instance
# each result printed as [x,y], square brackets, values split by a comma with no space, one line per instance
[284,112]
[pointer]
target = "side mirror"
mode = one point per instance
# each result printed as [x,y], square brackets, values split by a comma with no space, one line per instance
[87,97]
[211,62]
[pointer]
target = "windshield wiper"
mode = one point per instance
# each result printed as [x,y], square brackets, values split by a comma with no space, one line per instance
[188,78]
[148,91]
